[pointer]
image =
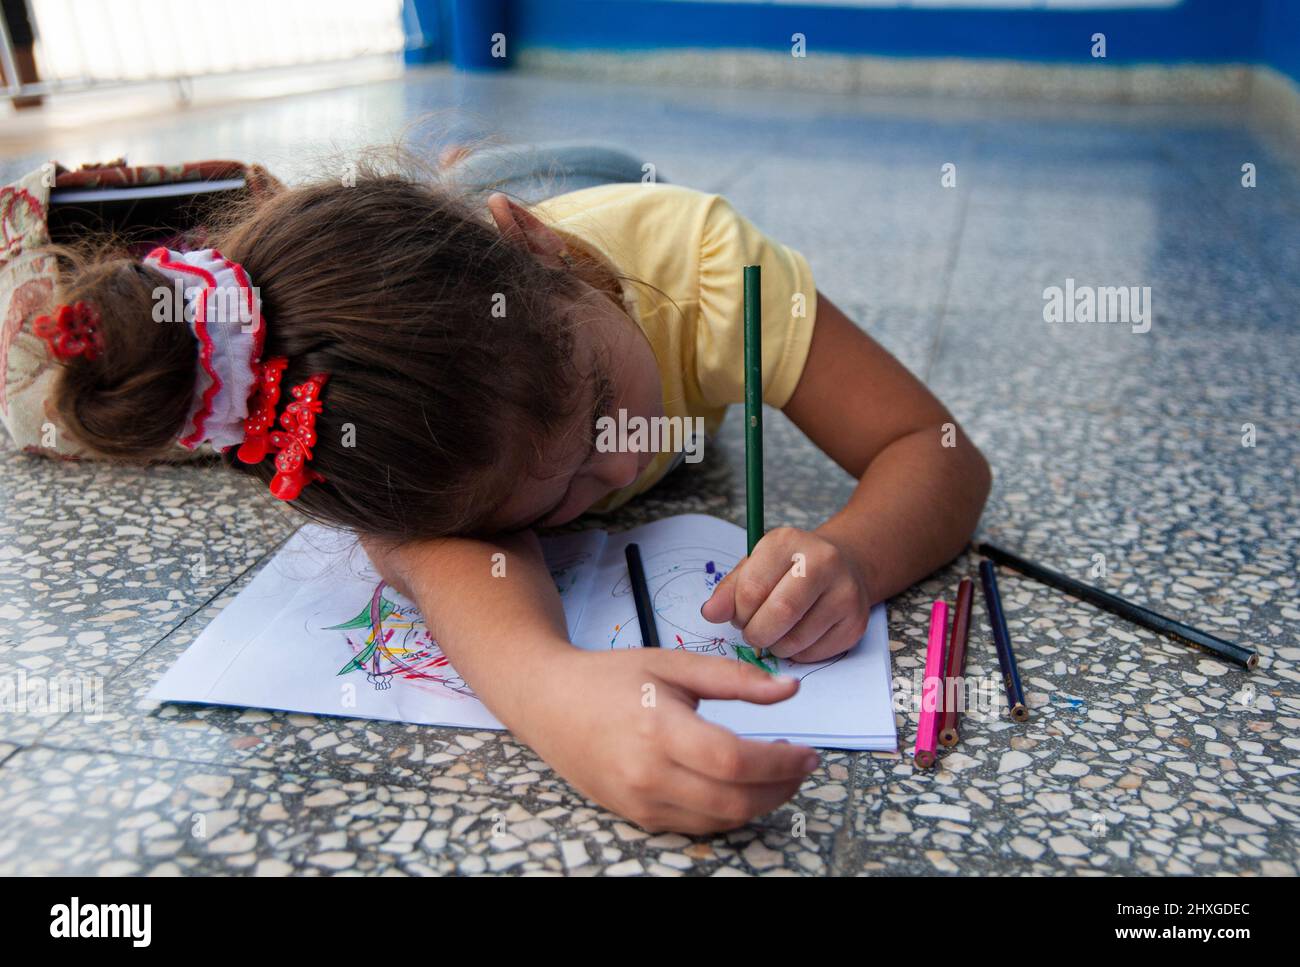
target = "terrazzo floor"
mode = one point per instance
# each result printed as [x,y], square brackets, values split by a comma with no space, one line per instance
[1141,757]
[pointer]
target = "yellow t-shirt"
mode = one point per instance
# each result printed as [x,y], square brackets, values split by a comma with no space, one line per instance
[690,247]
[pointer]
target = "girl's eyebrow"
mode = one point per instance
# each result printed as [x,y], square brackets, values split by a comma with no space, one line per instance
[603,396]
[603,399]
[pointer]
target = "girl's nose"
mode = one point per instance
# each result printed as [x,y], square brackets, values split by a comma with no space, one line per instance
[617,470]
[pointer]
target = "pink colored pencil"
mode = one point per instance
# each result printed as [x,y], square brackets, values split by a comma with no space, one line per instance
[927,735]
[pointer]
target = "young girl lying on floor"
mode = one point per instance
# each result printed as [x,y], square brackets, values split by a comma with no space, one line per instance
[427,370]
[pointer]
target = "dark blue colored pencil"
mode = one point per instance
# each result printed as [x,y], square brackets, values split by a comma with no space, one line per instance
[1002,641]
[645,612]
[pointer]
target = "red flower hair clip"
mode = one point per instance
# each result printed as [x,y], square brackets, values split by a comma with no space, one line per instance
[72,331]
[297,436]
[297,439]
[261,411]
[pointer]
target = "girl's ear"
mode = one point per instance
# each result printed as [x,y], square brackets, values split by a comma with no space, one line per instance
[520,225]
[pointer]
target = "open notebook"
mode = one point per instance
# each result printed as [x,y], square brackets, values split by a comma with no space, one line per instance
[318,631]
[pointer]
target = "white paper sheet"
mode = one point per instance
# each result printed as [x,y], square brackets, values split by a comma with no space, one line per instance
[301,638]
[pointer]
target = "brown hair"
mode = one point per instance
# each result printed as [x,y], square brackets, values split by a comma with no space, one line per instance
[434,407]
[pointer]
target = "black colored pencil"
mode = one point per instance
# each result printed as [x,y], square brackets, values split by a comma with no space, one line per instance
[753,351]
[1139,615]
[645,612]
[1002,641]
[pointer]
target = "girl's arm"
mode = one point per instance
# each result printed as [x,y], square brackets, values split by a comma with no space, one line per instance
[922,485]
[620,725]
[484,592]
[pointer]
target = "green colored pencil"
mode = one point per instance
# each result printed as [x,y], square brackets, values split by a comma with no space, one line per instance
[753,405]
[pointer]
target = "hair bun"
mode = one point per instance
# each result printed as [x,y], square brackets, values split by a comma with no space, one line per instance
[131,399]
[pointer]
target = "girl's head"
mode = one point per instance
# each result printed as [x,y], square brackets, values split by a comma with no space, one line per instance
[467,356]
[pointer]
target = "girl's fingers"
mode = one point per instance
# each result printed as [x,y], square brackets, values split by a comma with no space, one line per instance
[838,638]
[808,630]
[794,596]
[666,815]
[717,753]
[721,605]
[754,578]
[709,676]
[725,805]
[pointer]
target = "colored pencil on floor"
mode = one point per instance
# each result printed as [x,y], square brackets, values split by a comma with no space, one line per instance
[645,612]
[956,665]
[1246,657]
[1002,641]
[928,730]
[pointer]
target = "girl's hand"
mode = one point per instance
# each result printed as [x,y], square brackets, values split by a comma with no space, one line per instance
[798,595]
[621,726]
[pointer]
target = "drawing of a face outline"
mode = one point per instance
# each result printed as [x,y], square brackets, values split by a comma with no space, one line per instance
[677,577]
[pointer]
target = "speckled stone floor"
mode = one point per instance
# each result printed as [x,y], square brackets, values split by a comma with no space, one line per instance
[1140,757]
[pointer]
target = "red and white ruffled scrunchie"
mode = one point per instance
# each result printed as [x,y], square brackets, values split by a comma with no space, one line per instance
[236,393]
[222,309]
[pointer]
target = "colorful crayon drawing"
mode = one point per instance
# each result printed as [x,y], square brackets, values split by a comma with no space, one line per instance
[680,580]
[397,645]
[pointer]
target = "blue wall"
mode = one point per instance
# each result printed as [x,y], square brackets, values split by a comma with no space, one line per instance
[1194,31]
[1201,31]
[1279,37]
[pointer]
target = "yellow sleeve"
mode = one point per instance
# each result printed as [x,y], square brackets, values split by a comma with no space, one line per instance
[728,243]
